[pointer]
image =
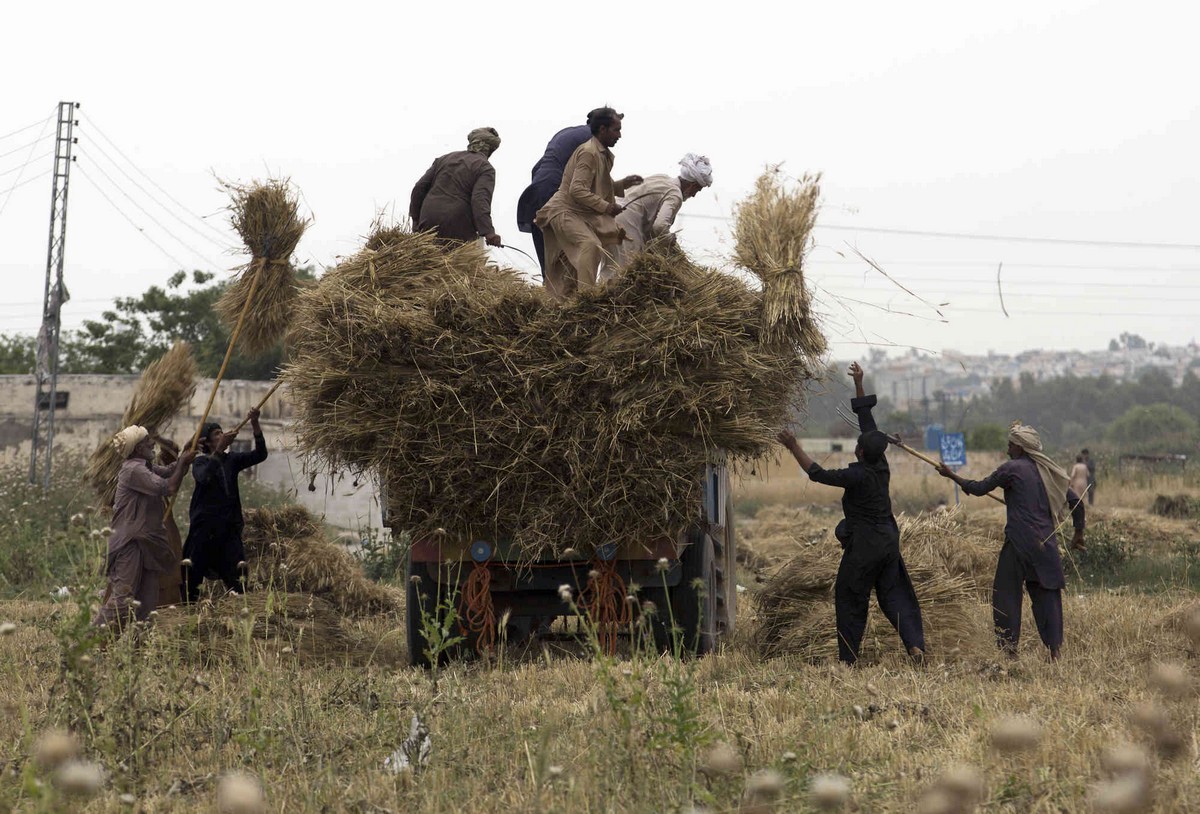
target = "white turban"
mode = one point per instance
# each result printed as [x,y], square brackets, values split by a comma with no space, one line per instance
[129,438]
[695,168]
[1054,479]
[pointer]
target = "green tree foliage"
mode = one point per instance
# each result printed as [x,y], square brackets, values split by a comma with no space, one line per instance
[1154,428]
[137,330]
[985,437]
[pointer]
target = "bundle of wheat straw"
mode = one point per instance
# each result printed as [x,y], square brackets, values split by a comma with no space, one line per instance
[286,547]
[773,229]
[495,413]
[796,611]
[164,389]
[267,217]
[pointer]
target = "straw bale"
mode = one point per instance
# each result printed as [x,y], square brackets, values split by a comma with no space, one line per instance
[267,217]
[309,627]
[796,612]
[164,389]
[287,547]
[772,229]
[494,413]
[1178,506]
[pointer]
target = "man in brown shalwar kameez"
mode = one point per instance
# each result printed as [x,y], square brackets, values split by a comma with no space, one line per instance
[578,222]
[138,551]
[454,196]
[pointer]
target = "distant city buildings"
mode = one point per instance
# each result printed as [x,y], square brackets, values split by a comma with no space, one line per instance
[919,381]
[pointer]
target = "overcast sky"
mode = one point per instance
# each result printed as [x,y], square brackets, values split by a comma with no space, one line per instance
[1066,121]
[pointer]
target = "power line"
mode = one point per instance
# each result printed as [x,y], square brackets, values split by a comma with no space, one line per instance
[27,127]
[27,163]
[153,219]
[991,265]
[92,123]
[224,246]
[20,184]
[33,143]
[28,160]
[1013,284]
[1059,241]
[178,264]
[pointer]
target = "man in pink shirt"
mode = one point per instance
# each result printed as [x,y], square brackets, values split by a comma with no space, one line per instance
[138,552]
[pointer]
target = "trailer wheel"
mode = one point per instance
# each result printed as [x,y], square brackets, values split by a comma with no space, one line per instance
[694,599]
[412,612]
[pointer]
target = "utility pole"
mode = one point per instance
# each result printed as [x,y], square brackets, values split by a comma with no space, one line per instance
[55,296]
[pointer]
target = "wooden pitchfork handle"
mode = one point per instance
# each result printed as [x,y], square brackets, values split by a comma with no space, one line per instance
[895,441]
[258,406]
[260,264]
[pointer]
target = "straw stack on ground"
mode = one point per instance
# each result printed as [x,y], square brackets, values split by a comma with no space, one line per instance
[795,606]
[494,413]
[286,547]
[164,389]
[267,217]
[288,625]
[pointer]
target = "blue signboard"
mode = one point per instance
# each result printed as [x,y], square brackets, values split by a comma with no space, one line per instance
[954,449]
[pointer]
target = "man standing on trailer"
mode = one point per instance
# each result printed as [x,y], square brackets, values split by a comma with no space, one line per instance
[579,221]
[454,196]
[546,177]
[869,536]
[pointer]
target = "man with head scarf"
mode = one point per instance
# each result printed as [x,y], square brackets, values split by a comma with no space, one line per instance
[454,196]
[545,179]
[138,551]
[214,547]
[651,208]
[1038,496]
[579,221]
[869,536]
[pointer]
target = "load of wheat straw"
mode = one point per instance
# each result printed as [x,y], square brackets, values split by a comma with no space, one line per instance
[494,413]
[267,217]
[796,612]
[164,389]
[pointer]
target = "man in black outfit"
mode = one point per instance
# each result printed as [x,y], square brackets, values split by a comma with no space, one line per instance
[214,542]
[869,536]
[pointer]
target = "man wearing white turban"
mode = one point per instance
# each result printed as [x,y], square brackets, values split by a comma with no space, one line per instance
[138,551]
[1038,495]
[651,208]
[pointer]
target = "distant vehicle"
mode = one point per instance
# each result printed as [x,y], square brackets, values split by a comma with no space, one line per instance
[697,589]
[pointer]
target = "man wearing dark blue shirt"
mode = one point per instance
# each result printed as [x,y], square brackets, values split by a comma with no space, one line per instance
[547,176]
[214,543]
[869,536]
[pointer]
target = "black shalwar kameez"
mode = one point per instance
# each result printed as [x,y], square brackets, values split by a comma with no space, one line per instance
[871,550]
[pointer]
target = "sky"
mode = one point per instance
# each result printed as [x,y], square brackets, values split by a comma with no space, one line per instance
[1033,122]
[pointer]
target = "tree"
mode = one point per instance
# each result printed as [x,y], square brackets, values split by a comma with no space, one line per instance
[137,330]
[988,437]
[18,353]
[1154,428]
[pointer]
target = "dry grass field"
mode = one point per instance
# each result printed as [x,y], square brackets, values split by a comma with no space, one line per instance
[309,706]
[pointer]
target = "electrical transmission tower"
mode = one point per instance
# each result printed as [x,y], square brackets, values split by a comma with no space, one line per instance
[55,296]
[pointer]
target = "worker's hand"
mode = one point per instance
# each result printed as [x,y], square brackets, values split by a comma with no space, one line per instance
[945,471]
[615,209]
[224,441]
[856,372]
[493,239]
[253,414]
[187,456]
[1077,543]
[788,439]
[631,181]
